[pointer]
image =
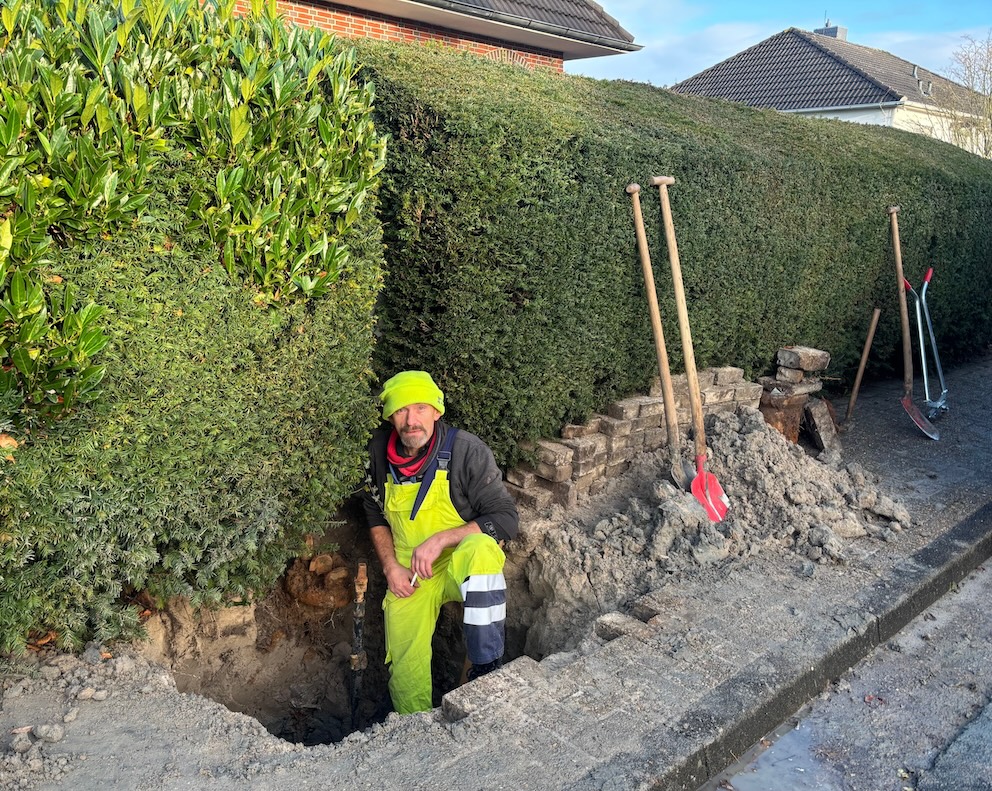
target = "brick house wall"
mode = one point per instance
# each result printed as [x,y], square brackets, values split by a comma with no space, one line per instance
[354,23]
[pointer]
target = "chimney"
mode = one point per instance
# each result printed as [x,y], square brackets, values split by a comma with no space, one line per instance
[836,31]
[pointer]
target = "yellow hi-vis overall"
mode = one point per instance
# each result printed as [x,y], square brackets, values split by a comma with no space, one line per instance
[471,572]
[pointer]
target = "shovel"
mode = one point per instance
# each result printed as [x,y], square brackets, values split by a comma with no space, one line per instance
[680,474]
[705,486]
[907,350]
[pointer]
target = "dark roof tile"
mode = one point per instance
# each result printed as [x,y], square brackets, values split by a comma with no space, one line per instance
[799,70]
[581,16]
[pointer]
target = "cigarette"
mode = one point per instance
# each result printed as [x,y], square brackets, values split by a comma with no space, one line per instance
[413,581]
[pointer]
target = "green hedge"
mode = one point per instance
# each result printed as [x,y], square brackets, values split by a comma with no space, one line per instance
[513,270]
[231,287]
[224,436]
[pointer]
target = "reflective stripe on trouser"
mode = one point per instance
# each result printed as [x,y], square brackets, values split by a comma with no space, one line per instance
[484,617]
[410,622]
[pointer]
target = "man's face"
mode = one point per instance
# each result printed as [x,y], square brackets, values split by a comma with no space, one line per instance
[415,424]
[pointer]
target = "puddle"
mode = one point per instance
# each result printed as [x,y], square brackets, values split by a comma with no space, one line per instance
[789,763]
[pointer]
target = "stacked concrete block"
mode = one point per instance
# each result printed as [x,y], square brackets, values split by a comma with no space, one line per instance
[786,394]
[541,483]
[680,390]
[749,394]
[726,389]
[588,455]
[721,390]
[590,460]
[622,444]
[646,416]
[571,431]
[524,487]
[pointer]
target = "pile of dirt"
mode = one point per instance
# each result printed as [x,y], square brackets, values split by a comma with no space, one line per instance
[781,499]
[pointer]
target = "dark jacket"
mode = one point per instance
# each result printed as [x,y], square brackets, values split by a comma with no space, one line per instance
[476,484]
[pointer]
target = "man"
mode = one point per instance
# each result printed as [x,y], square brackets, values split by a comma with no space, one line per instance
[437,511]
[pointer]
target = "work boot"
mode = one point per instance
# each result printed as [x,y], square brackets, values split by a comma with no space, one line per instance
[480,670]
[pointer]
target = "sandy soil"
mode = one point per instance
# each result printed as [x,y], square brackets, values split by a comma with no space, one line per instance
[288,666]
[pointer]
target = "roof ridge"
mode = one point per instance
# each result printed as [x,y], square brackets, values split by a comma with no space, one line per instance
[796,70]
[725,60]
[807,36]
[500,10]
[605,13]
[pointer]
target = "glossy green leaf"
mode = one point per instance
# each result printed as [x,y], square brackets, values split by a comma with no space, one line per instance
[239,123]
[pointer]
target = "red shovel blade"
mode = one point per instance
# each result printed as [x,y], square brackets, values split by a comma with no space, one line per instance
[708,491]
[925,425]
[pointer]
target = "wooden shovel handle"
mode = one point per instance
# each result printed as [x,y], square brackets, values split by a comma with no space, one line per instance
[667,392]
[861,366]
[695,398]
[907,349]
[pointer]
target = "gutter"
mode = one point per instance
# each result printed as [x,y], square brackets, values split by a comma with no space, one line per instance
[835,108]
[532,24]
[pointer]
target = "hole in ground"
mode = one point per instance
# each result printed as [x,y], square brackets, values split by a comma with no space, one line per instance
[286,660]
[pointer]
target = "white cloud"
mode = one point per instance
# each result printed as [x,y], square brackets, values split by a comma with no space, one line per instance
[667,59]
[932,51]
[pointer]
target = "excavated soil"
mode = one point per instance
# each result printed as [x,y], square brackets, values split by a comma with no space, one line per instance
[286,662]
[783,499]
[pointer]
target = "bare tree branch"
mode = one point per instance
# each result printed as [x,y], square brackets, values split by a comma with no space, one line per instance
[967,102]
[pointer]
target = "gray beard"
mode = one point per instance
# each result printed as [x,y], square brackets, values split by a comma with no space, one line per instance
[413,450]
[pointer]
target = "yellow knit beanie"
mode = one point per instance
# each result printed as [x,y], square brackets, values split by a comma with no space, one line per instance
[410,387]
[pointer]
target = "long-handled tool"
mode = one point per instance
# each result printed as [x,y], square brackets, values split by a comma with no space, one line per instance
[861,367]
[907,349]
[359,659]
[680,474]
[705,486]
[939,404]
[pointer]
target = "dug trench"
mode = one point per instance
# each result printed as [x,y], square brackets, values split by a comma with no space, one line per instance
[286,660]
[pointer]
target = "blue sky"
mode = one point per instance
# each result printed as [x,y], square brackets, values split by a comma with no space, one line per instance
[681,37]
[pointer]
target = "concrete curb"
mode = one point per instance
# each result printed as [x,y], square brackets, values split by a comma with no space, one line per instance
[685,684]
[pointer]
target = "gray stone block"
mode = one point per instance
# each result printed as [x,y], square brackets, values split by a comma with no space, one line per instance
[803,357]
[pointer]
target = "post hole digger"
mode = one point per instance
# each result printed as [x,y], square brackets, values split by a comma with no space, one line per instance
[907,351]
[939,404]
[681,471]
[705,486]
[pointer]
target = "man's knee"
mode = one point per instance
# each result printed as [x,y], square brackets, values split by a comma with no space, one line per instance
[477,554]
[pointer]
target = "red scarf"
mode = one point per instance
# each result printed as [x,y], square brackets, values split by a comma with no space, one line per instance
[407,466]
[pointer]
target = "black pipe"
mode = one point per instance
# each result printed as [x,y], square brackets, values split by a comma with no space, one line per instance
[359,659]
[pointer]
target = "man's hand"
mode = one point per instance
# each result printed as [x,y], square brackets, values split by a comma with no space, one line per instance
[398,580]
[424,556]
[398,576]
